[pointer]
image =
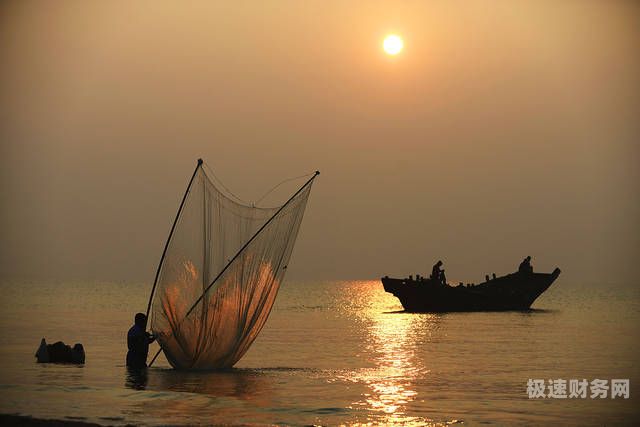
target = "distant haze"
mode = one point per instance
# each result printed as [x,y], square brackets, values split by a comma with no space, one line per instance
[503,129]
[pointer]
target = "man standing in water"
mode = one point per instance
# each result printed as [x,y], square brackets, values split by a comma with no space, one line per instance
[138,340]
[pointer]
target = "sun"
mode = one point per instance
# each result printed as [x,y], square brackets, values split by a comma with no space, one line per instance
[393,44]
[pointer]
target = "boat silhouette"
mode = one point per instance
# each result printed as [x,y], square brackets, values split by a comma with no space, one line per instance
[515,291]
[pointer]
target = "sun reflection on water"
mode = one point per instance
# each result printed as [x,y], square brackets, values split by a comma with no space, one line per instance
[392,337]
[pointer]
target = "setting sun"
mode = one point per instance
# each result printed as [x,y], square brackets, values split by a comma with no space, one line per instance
[393,44]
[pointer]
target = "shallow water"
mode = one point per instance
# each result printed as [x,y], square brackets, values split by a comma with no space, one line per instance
[331,353]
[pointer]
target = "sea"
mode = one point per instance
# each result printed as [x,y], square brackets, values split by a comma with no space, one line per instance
[335,353]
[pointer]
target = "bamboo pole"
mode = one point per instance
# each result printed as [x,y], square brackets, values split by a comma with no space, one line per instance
[166,245]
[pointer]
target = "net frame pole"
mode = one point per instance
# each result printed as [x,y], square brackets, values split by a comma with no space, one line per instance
[195,304]
[166,245]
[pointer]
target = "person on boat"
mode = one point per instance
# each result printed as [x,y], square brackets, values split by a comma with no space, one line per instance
[435,271]
[138,340]
[443,278]
[437,274]
[525,266]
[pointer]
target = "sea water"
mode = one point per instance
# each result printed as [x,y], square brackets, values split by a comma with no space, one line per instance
[338,352]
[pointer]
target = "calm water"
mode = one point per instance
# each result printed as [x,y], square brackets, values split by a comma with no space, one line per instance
[331,353]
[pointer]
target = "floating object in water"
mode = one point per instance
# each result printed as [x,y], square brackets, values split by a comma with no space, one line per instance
[516,291]
[220,273]
[59,352]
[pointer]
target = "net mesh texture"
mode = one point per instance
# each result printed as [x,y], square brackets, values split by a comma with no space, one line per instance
[212,329]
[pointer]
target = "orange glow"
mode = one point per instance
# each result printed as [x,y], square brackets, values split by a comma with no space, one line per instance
[393,44]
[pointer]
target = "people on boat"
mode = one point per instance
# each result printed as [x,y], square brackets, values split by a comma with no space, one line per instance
[437,274]
[486,278]
[494,276]
[138,340]
[525,266]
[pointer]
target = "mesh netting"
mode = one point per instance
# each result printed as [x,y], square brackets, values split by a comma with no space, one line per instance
[213,329]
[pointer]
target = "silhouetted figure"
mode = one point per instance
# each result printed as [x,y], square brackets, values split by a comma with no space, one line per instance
[59,352]
[486,277]
[443,278]
[525,266]
[435,271]
[494,276]
[138,340]
[437,274]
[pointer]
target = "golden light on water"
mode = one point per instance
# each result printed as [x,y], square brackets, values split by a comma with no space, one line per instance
[391,384]
[393,44]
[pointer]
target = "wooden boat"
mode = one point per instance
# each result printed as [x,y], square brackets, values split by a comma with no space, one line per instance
[516,291]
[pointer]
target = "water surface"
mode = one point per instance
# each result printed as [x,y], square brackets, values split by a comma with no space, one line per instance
[331,353]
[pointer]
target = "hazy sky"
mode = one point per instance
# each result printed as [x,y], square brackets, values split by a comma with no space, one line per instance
[504,129]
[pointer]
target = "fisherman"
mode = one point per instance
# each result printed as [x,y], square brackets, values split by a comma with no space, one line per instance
[443,278]
[525,266]
[138,340]
[436,273]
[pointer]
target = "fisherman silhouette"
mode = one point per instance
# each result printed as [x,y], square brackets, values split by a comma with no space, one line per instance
[525,266]
[437,274]
[435,271]
[443,278]
[138,340]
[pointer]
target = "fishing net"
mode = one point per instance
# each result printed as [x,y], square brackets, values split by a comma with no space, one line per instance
[217,285]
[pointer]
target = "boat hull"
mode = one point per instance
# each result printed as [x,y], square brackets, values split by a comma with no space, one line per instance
[515,291]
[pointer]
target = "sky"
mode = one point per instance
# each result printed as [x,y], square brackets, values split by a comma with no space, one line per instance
[503,129]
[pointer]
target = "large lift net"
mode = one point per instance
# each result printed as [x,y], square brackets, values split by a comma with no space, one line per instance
[220,275]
